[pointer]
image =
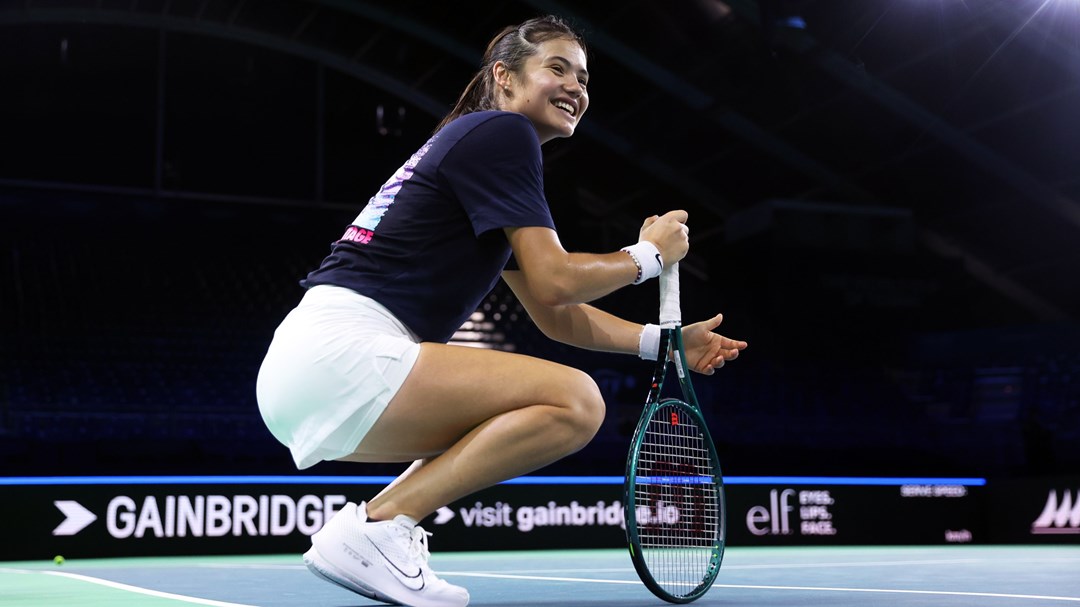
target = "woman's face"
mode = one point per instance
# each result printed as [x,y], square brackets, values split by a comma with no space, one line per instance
[550,90]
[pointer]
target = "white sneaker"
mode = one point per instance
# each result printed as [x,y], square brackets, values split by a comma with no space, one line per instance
[386,560]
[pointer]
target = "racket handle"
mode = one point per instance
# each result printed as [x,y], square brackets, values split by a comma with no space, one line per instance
[670,310]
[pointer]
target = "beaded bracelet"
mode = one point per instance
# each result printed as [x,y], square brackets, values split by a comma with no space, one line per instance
[647,259]
[637,263]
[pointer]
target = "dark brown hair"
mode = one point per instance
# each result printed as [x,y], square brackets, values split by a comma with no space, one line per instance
[513,45]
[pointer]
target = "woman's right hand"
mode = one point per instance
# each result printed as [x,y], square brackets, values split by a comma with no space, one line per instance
[669,234]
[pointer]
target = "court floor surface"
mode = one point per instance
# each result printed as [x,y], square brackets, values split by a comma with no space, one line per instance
[1005,576]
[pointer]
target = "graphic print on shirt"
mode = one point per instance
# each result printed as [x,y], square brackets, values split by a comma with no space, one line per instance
[363,227]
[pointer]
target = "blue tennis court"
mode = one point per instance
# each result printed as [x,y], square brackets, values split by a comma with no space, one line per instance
[856,576]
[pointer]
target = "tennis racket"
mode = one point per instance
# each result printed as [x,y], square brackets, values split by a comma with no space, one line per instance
[675,514]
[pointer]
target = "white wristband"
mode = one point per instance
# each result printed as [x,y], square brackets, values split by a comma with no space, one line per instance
[649,342]
[648,260]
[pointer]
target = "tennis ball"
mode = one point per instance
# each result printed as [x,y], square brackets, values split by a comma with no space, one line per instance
[59,560]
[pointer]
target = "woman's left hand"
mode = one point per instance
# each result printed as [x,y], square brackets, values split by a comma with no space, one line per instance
[707,351]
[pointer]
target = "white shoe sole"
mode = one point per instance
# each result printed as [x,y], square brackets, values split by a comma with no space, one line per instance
[335,575]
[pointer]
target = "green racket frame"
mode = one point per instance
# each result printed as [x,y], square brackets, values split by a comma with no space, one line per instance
[671,343]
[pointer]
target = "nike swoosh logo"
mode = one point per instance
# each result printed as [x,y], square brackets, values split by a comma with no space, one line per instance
[408,581]
[660,261]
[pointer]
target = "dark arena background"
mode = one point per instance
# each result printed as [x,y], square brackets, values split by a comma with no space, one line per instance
[884,201]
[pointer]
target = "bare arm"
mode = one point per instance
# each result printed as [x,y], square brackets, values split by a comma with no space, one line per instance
[584,326]
[554,285]
[555,277]
[579,325]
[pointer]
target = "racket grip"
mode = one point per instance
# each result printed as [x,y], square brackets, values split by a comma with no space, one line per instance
[670,309]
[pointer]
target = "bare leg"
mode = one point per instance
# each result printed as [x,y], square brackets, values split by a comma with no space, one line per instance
[481,417]
[416,465]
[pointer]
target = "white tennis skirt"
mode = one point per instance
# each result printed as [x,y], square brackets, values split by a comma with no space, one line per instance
[334,364]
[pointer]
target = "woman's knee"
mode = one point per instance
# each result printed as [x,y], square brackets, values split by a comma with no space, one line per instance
[584,405]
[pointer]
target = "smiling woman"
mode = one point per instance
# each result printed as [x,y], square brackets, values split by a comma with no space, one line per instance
[515,55]
[361,369]
[550,90]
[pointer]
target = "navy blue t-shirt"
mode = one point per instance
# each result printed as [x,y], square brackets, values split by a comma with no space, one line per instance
[429,246]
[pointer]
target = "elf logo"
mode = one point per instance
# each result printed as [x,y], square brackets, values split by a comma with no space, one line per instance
[1059,517]
[774,520]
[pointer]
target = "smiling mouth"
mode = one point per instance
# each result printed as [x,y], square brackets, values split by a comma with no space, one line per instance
[566,107]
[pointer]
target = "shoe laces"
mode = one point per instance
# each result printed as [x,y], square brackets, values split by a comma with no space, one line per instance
[418,544]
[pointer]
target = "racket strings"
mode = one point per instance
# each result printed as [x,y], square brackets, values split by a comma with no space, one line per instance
[676,501]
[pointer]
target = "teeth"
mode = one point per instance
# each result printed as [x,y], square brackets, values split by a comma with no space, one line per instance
[565,106]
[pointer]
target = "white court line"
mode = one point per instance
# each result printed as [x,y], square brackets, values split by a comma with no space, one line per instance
[726,567]
[827,565]
[838,564]
[753,587]
[854,564]
[248,566]
[897,591]
[529,570]
[128,588]
[542,578]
